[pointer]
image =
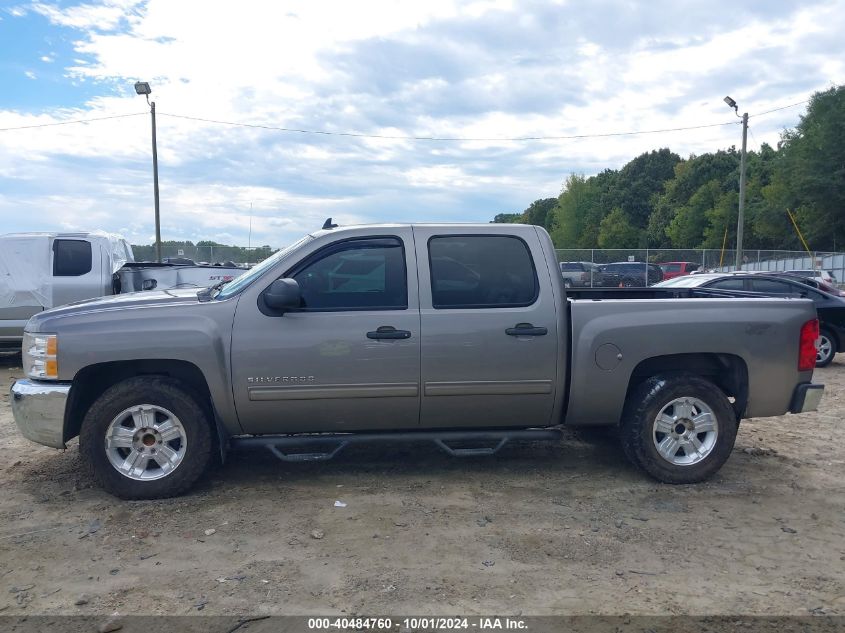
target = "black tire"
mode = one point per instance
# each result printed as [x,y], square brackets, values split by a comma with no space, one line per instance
[567,283]
[627,282]
[160,392]
[649,399]
[823,360]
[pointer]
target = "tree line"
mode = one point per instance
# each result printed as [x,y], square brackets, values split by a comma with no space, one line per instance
[660,200]
[203,251]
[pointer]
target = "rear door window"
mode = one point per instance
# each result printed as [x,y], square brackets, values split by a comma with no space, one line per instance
[774,287]
[728,284]
[481,271]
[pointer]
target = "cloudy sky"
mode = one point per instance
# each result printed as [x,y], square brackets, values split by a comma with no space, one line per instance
[486,69]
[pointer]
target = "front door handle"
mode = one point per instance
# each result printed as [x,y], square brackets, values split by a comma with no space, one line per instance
[526,329]
[388,332]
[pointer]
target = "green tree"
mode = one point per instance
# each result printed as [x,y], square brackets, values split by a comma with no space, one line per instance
[812,168]
[540,212]
[686,230]
[507,218]
[569,212]
[616,231]
[640,181]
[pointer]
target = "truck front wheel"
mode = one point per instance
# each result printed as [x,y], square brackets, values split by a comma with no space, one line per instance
[146,438]
[680,428]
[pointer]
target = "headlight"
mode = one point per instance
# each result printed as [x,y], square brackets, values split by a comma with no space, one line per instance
[39,356]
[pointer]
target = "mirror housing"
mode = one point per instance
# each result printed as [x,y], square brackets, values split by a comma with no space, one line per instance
[283,295]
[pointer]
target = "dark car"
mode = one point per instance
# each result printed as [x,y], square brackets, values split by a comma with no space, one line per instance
[829,306]
[631,274]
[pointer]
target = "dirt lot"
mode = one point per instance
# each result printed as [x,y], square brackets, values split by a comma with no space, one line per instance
[538,529]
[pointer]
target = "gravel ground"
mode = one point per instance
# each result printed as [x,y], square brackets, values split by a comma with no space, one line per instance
[569,528]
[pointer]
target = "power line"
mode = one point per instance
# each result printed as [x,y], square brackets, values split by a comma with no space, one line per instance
[441,138]
[791,105]
[101,118]
[399,137]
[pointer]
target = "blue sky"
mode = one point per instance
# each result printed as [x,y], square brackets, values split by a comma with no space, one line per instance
[480,69]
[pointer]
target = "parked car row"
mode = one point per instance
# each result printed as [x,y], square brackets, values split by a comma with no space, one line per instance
[613,275]
[640,274]
[829,302]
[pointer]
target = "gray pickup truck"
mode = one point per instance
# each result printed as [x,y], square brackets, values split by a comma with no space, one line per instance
[459,334]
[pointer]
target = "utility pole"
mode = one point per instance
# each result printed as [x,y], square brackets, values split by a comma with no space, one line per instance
[740,221]
[143,88]
[155,181]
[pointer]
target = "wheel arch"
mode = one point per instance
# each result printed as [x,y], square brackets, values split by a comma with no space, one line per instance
[91,381]
[729,372]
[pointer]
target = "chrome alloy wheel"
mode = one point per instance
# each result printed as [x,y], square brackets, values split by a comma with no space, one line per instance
[685,431]
[145,442]
[823,348]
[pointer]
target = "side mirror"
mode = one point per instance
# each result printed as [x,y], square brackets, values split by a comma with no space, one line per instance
[283,295]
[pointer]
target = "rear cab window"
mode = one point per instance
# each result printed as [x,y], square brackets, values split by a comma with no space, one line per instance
[71,258]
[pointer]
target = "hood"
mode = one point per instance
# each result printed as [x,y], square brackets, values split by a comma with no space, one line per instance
[148,298]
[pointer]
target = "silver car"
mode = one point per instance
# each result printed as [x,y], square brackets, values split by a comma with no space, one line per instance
[581,275]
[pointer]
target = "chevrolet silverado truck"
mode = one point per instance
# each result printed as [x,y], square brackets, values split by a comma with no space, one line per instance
[459,334]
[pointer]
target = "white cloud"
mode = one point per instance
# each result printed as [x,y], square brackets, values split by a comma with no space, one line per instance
[487,69]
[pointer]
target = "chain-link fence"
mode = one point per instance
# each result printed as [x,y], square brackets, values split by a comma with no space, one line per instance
[217,254]
[613,267]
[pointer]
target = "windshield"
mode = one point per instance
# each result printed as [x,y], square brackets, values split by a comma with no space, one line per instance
[239,283]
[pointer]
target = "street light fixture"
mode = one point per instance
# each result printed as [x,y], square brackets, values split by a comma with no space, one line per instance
[143,88]
[740,221]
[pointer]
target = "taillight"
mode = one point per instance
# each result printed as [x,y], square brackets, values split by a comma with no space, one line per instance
[807,345]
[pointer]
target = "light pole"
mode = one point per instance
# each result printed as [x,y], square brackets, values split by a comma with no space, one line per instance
[143,88]
[740,221]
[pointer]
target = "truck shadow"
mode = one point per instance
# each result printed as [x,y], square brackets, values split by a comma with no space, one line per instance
[423,459]
[10,359]
[50,474]
[387,467]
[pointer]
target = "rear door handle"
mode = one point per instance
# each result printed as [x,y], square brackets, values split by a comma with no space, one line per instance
[388,332]
[526,329]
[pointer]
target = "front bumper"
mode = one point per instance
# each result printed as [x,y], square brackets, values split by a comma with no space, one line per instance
[39,410]
[806,398]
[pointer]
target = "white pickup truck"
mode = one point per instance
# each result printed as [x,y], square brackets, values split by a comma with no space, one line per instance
[39,271]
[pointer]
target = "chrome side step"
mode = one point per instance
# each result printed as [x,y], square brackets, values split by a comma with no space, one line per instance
[324,446]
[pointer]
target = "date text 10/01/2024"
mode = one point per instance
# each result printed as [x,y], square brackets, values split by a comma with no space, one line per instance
[425,623]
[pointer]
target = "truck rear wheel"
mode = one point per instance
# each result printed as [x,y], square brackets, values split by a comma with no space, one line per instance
[146,438]
[680,429]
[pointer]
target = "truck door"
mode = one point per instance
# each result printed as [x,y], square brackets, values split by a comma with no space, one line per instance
[489,335]
[349,359]
[76,271]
